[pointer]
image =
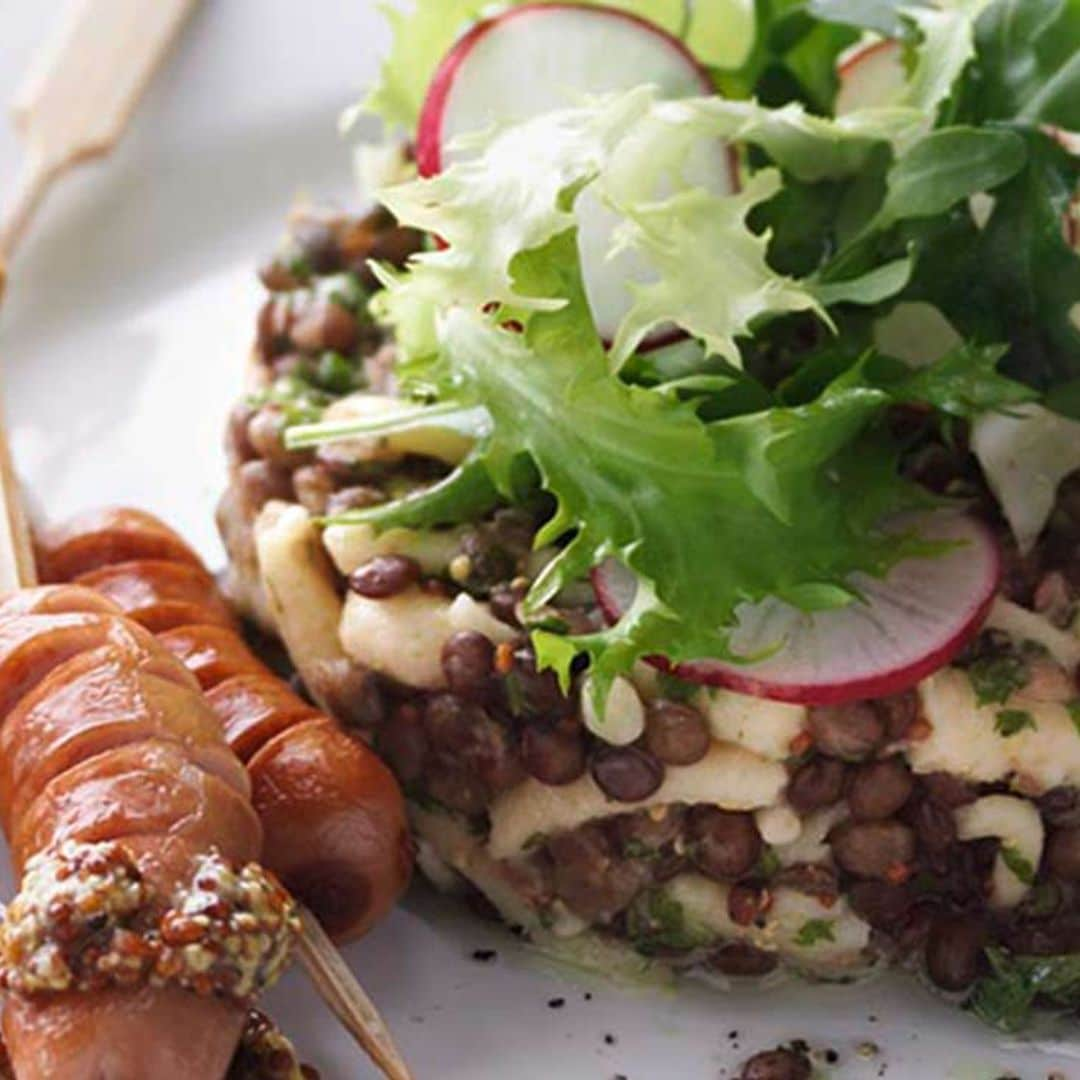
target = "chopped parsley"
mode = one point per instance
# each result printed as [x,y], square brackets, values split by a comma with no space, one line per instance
[814,931]
[1010,722]
[768,864]
[657,923]
[1074,714]
[1006,996]
[1020,866]
[996,678]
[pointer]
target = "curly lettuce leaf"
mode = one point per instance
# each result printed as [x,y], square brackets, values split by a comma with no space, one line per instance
[712,277]
[807,146]
[514,196]
[785,501]
[701,266]
[947,47]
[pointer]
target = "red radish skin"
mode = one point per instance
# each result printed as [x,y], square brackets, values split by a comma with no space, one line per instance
[429,155]
[479,55]
[613,597]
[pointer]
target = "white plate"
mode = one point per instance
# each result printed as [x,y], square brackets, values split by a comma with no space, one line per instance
[122,340]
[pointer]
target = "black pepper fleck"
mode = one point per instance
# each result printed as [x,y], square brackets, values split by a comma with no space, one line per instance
[832,1057]
[484,956]
[556,1003]
[610,1040]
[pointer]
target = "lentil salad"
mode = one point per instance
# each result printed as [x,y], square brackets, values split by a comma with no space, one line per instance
[656,823]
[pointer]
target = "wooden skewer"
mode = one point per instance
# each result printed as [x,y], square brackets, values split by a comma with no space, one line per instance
[76,106]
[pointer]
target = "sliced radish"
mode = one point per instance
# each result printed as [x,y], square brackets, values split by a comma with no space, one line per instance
[907,625]
[871,77]
[540,57]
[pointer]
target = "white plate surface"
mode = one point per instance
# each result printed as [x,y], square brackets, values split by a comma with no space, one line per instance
[122,340]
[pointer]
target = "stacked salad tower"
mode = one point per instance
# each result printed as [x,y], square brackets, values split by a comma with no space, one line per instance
[677,478]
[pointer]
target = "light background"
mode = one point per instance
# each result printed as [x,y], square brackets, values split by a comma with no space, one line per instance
[121,342]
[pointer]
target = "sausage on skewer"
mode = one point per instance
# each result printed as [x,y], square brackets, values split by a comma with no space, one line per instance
[135,943]
[332,813]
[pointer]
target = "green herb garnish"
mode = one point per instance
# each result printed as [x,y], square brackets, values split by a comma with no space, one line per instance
[768,863]
[815,930]
[1020,867]
[1005,997]
[1074,714]
[1009,722]
[996,678]
[656,922]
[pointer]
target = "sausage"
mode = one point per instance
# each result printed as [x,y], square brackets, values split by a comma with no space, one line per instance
[106,537]
[342,845]
[332,813]
[254,709]
[212,653]
[149,770]
[99,701]
[161,595]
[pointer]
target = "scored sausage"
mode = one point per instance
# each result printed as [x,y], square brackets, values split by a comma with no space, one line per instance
[333,815]
[107,741]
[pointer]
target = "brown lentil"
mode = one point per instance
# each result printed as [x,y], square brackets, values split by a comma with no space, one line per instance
[384,576]
[873,849]
[266,433]
[879,789]
[816,784]
[676,733]
[1063,854]
[741,960]
[777,1065]
[260,482]
[551,756]
[724,845]
[325,325]
[468,661]
[403,743]
[850,732]
[954,951]
[626,773]
[589,877]
[357,497]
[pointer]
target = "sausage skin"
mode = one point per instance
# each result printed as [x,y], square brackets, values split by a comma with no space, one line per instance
[106,737]
[333,815]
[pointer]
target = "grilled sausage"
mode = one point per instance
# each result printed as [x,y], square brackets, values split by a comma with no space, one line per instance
[332,813]
[148,767]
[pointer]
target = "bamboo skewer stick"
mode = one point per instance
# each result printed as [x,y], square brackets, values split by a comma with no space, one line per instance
[82,92]
[76,106]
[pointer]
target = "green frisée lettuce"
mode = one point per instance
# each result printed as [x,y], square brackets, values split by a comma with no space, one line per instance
[709,270]
[757,460]
[783,501]
[712,277]
[946,47]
